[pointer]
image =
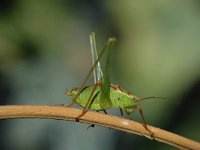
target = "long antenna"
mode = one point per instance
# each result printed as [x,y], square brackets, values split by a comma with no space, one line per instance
[153,97]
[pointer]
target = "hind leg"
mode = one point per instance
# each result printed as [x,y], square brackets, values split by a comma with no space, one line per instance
[144,122]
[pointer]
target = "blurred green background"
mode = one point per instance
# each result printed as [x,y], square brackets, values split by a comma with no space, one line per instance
[44,50]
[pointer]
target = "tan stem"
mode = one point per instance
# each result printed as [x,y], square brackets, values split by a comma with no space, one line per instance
[66,113]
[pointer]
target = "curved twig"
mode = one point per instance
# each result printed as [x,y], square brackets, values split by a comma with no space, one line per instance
[66,113]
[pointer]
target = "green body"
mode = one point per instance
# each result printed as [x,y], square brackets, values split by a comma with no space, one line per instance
[105,96]
[118,99]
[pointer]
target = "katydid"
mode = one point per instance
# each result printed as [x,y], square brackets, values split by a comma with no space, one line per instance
[103,95]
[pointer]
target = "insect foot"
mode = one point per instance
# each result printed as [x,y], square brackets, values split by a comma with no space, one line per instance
[152,135]
[91,126]
[77,119]
[79,116]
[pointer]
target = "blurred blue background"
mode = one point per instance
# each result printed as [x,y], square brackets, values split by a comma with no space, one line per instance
[44,50]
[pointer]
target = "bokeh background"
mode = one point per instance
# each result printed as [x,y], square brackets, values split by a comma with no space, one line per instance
[44,50]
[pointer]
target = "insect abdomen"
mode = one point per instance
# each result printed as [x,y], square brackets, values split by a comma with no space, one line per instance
[121,100]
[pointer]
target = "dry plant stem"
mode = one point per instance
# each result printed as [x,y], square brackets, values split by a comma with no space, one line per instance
[66,113]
